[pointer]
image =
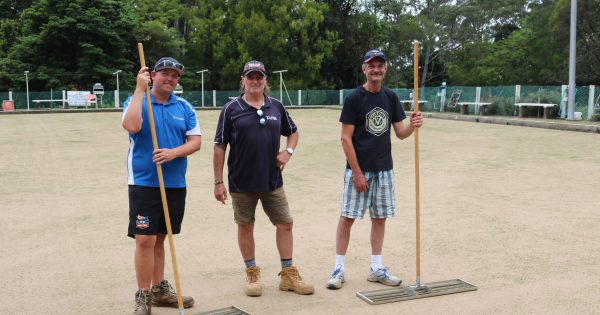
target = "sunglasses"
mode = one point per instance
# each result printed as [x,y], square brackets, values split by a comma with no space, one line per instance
[169,64]
[262,120]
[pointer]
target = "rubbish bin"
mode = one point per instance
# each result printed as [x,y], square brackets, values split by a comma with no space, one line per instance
[8,105]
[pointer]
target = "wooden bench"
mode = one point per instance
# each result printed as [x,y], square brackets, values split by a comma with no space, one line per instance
[410,104]
[546,106]
[464,107]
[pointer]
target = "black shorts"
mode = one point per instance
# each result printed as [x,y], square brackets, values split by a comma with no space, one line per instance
[146,215]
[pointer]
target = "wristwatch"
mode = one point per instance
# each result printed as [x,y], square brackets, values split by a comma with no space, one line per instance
[290,150]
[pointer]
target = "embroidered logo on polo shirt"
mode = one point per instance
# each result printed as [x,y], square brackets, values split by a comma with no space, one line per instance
[271,117]
[142,222]
[377,121]
[178,118]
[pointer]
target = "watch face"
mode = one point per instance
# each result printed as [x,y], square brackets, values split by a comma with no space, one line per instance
[290,150]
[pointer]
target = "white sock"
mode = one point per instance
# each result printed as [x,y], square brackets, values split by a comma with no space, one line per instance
[339,260]
[376,262]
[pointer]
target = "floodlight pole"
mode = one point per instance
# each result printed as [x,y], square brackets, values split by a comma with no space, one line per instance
[202,73]
[27,87]
[117,95]
[572,56]
[280,83]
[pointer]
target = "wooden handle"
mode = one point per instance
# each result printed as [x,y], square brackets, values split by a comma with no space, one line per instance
[417,184]
[161,183]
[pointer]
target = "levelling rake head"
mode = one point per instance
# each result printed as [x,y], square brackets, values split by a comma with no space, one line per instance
[403,293]
[232,310]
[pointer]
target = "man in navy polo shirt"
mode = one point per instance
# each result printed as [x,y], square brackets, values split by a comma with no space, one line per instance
[252,125]
[368,115]
[178,134]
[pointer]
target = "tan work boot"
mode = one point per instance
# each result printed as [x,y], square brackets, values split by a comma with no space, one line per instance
[164,295]
[253,287]
[292,281]
[143,302]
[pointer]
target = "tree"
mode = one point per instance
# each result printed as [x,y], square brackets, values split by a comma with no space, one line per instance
[71,44]
[284,34]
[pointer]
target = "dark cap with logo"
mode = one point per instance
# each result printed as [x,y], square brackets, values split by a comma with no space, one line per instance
[254,65]
[371,54]
[169,63]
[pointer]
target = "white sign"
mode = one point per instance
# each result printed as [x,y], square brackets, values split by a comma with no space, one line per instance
[77,98]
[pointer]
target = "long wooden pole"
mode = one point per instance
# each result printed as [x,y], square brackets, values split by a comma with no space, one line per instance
[161,183]
[417,183]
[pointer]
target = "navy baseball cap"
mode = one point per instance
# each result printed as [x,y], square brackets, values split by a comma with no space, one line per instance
[169,63]
[369,55]
[254,65]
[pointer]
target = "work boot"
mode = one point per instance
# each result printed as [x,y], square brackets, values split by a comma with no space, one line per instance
[143,302]
[253,287]
[382,275]
[164,295]
[292,281]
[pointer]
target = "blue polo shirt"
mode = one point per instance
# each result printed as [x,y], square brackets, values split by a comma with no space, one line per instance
[173,121]
[254,147]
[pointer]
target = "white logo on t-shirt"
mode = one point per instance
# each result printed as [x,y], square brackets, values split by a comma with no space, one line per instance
[377,121]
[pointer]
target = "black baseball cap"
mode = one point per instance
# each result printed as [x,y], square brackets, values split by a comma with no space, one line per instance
[254,65]
[169,63]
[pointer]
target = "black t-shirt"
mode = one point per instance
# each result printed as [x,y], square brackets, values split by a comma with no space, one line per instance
[372,115]
[252,159]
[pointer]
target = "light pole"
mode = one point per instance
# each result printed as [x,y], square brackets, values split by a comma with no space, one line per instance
[202,73]
[280,83]
[27,87]
[117,93]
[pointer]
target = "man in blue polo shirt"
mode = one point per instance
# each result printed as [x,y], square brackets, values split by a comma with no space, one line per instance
[369,114]
[178,135]
[252,125]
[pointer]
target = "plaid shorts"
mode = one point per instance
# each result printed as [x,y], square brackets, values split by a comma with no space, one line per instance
[379,198]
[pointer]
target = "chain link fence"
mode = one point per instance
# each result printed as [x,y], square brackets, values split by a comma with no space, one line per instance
[499,100]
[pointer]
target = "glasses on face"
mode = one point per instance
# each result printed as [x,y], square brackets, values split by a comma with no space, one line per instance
[169,64]
[261,117]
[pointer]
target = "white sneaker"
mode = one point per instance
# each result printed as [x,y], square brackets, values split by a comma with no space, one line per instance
[337,278]
[382,275]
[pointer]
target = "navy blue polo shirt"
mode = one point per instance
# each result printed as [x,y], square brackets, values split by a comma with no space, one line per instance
[253,147]
[372,115]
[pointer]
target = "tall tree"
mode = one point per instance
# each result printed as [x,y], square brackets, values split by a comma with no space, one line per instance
[284,34]
[71,44]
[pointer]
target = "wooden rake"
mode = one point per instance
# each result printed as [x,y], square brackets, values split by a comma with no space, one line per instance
[230,310]
[418,290]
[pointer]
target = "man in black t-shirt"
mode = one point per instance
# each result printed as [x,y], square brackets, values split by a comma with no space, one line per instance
[368,115]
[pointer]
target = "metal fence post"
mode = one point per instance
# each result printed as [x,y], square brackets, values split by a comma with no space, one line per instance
[299,97]
[477,98]
[341,97]
[116,98]
[214,98]
[10,96]
[592,93]
[64,99]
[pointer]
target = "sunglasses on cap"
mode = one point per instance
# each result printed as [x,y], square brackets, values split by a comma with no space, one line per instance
[169,64]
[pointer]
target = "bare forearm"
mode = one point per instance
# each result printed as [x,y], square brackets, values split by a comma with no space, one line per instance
[292,140]
[219,161]
[192,145]
[405,132]
[351,155]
